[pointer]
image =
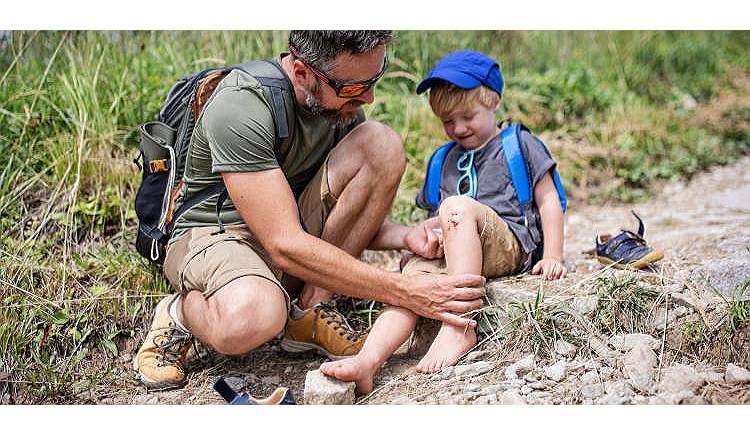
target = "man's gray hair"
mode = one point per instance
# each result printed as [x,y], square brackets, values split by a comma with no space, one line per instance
[319,48]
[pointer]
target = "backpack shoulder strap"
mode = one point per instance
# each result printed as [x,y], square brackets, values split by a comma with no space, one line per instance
[434,172]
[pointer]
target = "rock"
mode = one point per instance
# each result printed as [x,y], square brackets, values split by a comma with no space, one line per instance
[538,395]
[726,273]
[511,397]
[658,320]
[499,292]
[625,342]
[107,401]
[557,371]
[472,388]
[620,388]
[710,376]
[494,389]
[585,304]
[678,378]
[613,399]
[606,372]
[288,370]
[477,355]
[564,348]
[474,369]
[271,380]
[237,383]
[590,377]
[5,399]
[592,391]
[530,377]
[684,300]
[736,374]
[520,367]
[639,367]
[324,390]
[592,365]
[402,400]
[145,399]
[486,400]
[684,397]
[537,385]
[602,350]
[526,390]
[517,383]
[682,311]
[446,373]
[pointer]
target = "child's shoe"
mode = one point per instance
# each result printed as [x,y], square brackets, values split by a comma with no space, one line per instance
[280,396]
[626,250]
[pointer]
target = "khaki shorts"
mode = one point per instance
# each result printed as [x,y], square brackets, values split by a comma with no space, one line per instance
[204,262]
[501,253]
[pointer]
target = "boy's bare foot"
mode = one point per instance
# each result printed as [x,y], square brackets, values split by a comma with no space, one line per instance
[451,342]
[351,369]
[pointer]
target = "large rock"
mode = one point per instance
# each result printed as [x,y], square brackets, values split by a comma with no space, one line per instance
[520,367]
[475,369]
[500,293]
[639,365]
[678,378]
[626,342]
[324,390]
[557,371]
[736,374]
[724,275]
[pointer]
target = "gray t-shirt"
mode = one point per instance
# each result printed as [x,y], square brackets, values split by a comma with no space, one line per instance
[495,188]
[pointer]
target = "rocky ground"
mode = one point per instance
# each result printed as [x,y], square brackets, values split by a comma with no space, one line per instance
[599,350]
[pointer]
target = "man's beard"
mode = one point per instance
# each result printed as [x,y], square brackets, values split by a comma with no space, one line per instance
[334,116]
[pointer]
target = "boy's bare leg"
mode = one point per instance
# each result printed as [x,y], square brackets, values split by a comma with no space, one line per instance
[391,329]
[462,220]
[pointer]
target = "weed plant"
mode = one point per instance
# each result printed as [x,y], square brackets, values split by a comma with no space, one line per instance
[624,304]
[619,110]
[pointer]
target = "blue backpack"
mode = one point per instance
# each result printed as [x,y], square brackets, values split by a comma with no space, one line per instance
[515,161]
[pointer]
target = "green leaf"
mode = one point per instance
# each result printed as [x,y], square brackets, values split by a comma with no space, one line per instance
[109,347]
[60,318]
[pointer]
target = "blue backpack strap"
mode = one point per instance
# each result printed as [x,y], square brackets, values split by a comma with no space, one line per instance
[434,171]
[519,175]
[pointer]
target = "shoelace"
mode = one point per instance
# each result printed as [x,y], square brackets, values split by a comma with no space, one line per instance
[338,321]
[172,341]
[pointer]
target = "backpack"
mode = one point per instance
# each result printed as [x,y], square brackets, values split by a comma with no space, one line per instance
[165,142]
[515,162]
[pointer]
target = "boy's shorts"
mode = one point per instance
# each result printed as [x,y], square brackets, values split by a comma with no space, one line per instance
[501,253]
[200,261]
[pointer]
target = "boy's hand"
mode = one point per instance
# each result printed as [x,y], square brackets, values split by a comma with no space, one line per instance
[424,241]
[550,268]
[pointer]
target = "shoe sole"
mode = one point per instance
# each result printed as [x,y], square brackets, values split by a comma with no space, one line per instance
[642,262]
[299,347]
[150,384]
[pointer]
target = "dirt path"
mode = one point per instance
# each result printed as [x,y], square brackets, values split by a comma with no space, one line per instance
[700,226]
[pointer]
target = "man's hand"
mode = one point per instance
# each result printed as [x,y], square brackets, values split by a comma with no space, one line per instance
[444,297]
[424,240]
[550,268]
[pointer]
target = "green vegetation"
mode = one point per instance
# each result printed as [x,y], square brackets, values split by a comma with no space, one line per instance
[621,111]
[624,304]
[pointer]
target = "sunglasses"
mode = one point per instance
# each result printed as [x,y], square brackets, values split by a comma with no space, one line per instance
[344,89]
[465,165]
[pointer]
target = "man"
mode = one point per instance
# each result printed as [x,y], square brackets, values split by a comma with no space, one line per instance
[293,227]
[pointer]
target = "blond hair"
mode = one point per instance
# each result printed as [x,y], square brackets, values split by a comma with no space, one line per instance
[446,98]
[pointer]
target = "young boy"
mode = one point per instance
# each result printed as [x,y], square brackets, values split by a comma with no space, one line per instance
[479,218]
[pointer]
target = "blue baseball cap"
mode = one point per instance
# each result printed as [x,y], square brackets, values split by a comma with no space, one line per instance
[465,69]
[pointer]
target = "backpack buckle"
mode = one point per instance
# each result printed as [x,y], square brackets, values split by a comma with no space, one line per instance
[158,166]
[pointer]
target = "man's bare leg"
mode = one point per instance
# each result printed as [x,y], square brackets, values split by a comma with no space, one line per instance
[391,329]
[364,171]
[461,220]
[239,317]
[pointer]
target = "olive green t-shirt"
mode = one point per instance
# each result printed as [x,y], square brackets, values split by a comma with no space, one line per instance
[235,133]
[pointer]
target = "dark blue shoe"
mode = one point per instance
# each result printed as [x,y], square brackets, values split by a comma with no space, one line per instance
[280,396]
[626,250]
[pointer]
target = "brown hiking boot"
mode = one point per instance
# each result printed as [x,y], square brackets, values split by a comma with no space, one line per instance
[161,359]
[322,329]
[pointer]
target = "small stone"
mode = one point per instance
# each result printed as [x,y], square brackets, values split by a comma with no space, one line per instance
[590,377]
[585,304]
[486,400]
[626,342]
[153,401]
[736,374]
[710,376]
[446,373]
[683,300]
[564,348]
[613,399]
[537,385]
[682,311]
[402,400]
[517,383]
[606,372]
[474,369]
[526,390]
[324,390]
[493,389]
[511,397]
[620,388]
[592,365]
[683,397]
[472,388]
[557,371]
[125,358]
[144,399]
[107,401]
[288,370]
[530,377]
[678,378]
[658,320]
[271,380]
[538,396]
[477,355]
[588,402]
[639,367]
[592,391]
[520,367]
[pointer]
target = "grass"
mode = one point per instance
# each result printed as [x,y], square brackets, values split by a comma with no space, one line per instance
[624,304]
[621,111]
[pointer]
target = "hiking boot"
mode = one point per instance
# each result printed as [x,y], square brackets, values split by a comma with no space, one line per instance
[626,250]
[161,359]
[322,329]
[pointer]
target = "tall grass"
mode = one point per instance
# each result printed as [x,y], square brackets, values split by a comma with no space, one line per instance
[616,108]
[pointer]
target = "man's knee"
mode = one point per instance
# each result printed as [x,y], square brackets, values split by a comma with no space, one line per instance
[458,210]
[249,319]
[383,149]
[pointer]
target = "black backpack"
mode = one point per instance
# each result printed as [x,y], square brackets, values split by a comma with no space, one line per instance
[164,146]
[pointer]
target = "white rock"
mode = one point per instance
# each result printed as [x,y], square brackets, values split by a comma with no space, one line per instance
[526,390]
[625,342]
[658,320]
[710,376]
[485,400]
[446,373]
[682,311]
[585,304]
[683,300]
[520,367]
[511,397]
[324,390]
[639,367]
[476,355]
[402,400]
[592,391]
[538,395]
[557,371]
[537,385]
[472,388]
[564,348]
[678,378]
[606,372]
[684,397]
[590,377]
[736,374]
[271,380]
[494,389]
[474,369]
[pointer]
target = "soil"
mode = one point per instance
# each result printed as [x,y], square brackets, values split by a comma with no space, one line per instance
[701,227]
